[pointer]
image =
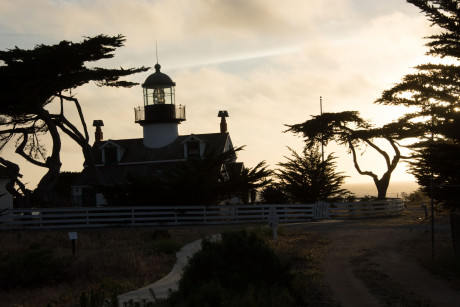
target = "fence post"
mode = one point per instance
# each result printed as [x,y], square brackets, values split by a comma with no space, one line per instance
[133,221]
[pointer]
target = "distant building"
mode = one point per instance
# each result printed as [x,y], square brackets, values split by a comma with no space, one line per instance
[6,199]
[160,149]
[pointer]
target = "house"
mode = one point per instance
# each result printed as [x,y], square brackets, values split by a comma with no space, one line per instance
[160,149]
[6,199]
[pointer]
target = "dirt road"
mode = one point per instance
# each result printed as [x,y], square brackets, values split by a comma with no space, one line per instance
[367,263]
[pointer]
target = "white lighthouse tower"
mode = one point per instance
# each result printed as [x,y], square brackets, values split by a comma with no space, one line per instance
[160,116]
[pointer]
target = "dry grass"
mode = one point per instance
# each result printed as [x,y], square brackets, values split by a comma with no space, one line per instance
[119,260]
[305,252]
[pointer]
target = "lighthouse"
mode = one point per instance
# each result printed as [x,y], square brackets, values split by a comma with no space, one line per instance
[159,117]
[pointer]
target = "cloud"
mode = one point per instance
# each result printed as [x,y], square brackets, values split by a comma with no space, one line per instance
[265,61]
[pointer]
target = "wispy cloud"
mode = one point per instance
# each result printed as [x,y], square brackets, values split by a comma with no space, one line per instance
[265,61]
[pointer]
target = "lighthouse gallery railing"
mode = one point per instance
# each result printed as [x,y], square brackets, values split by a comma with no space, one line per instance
[159,112]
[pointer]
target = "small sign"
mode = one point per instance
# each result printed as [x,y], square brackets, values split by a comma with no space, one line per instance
[73,235]
[273,222]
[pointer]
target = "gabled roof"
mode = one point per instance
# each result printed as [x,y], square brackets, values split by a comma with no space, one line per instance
[235,168]
[108,143]
[142,161]
[136,152]
[192,137]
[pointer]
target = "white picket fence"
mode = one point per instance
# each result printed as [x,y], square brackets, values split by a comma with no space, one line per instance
[55,218]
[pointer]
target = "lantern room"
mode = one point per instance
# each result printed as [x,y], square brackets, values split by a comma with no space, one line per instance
[159,116]
[158,88]
[159,101]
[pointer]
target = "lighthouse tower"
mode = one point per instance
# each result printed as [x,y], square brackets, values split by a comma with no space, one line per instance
[160,116]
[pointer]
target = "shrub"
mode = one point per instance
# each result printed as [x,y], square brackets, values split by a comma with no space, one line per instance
[239,270]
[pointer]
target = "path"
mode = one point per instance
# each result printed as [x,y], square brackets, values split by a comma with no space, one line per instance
[162,287]
[381,242]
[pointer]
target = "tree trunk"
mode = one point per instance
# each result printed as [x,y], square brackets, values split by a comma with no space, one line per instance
[382,186]
[46,187]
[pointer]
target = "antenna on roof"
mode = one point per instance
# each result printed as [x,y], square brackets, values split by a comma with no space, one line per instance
[156,50]
[322,141]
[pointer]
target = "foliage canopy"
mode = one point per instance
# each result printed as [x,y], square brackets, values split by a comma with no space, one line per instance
[33,79]
[307,179]
[434,92]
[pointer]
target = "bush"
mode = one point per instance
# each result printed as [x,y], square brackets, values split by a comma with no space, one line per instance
[239,270]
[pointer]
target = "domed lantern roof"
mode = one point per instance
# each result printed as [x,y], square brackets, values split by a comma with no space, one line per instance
[158,88]
[158,79]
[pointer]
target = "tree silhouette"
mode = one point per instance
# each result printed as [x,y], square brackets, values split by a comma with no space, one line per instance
[349,129]
[305,178]
[432,94]
[33,79]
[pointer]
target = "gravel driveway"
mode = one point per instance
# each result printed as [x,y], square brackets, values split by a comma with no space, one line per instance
[378,247]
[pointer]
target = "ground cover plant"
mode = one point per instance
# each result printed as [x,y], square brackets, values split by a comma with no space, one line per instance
[249,268]
[238,270]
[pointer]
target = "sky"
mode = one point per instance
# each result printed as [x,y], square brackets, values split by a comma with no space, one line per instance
[266,62]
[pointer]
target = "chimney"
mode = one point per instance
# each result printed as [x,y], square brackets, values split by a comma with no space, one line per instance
[98,135]
[223,122]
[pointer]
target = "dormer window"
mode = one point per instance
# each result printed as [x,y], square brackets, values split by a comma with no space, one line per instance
[193,149]
[110,155]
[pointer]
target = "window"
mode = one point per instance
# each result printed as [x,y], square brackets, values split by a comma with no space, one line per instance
[110,155]
[193,149]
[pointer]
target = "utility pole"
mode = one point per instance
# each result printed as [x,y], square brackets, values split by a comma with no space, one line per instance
[321,113]
[432,188]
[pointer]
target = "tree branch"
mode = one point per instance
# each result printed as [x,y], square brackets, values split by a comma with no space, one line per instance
[80,114]
[20,151]
[355,161]
[380,151]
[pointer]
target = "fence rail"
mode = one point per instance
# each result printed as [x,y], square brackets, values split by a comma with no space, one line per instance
[55,218]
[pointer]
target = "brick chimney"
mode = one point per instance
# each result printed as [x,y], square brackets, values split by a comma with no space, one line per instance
[98,135]
[223,122]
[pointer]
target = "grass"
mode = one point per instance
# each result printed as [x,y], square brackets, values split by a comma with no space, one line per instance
[121,260]
[112,260]
[304,251]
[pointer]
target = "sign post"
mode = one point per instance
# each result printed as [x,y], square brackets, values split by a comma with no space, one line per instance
[73,237]
[273,222]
